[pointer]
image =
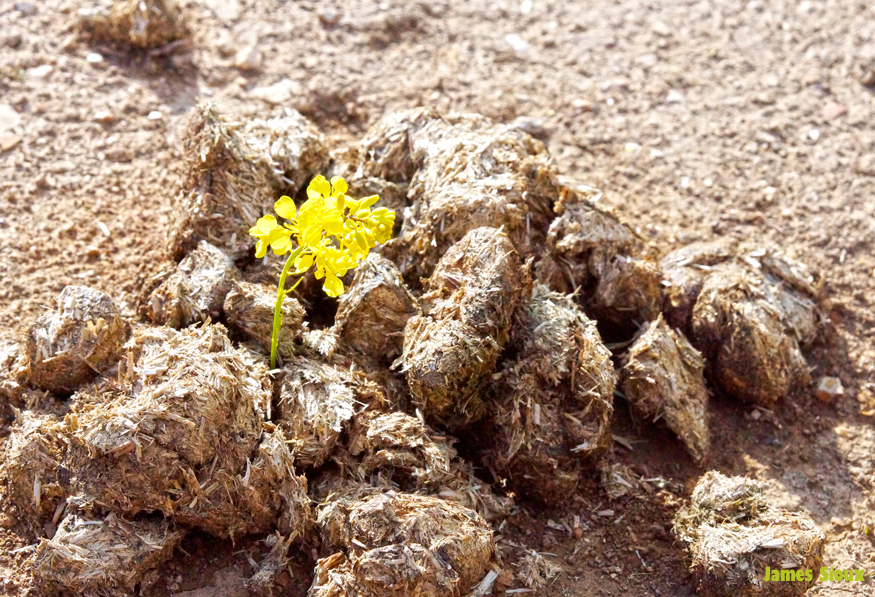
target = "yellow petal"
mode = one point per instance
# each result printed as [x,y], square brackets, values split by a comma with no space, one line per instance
[281,245]
[319,186]
[369,201]
[263,226]
[333,286]
[339,186]
[260,249]
[303,263]
[285,207]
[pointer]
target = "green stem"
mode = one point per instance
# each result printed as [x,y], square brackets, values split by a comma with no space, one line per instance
[278,308]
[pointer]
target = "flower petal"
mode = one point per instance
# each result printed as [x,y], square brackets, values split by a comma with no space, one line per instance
[320,187]
[338,186]
[285,208]
[333,286]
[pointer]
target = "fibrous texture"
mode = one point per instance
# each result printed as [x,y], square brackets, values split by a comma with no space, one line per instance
[139,24]
[397,544]
[663,379]
[592,251]
[732,534]
[34,453]
[450,351]
[179,432]
[317,402]
[194,291]
[102,557]
[235,171]
[551,403]
[463,172]
[372,314]
[69,345]
[249,310]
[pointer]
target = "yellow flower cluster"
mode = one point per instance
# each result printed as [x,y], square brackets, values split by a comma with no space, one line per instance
[331,229]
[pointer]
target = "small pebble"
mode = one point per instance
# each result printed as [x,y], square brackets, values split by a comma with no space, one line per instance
[39,72]
[155,115]
[675,97]
[833,110]
[814,134]
[329,17]
[93,58]
[829,388]
[526,6]
[685,182]
[28,9]
[518,44]
[249,58]
[103,116]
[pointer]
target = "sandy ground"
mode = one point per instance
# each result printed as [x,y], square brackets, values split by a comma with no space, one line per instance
[697,119]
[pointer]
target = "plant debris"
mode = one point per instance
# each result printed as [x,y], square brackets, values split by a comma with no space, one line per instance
[537,570]
[249,311]
[401,544]
[450,351]
[102,557]
[71,344]
[196,290]
[317,401]
[732,534]
[235,171]
[139,24]
[551,403]
[372,314]
[663,379]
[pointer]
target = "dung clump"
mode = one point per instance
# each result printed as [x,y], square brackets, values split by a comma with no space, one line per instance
[732,535]
[13,373]
[81,337]
[472,173]
[387,150]
[101,557]
[402,544]
[396,450]
[663,379]
[139,24]
[235,171]
[450,351]
[742,329]
[178,431]
[592,251]
[372,314]
[249,311]
[552,400]
[196,290]
[34,453]
[317,402]
[685,270]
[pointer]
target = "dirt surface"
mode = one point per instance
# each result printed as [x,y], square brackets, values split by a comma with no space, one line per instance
[695,118]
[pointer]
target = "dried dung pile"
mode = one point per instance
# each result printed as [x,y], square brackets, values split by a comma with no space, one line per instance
[138,24]
[752,312]
[663,379]
[372,314]
[316,403]
[235,171]
[178,431]
[732,534]
[102,557]
[463,172]
[398,451]
[14,369]
[71,344]
[196,290]
[401,544]
[450,351]
[551,403]
[249,309]
[34,453]
[592,251]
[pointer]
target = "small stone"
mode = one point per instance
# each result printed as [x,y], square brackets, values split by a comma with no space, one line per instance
[225,10]
[582,105]
[249,58]
[103,116]
[829,388]
[814,134]
[329,17]
[661,29]
[28,9]
[533,126]
[278,93]
[675,97]
[155,115]
[39,72]
[833,110]
[13,40]
[7,142]
[93,58]
[518,44]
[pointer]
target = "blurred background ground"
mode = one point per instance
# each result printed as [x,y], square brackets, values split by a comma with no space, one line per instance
[696,119]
